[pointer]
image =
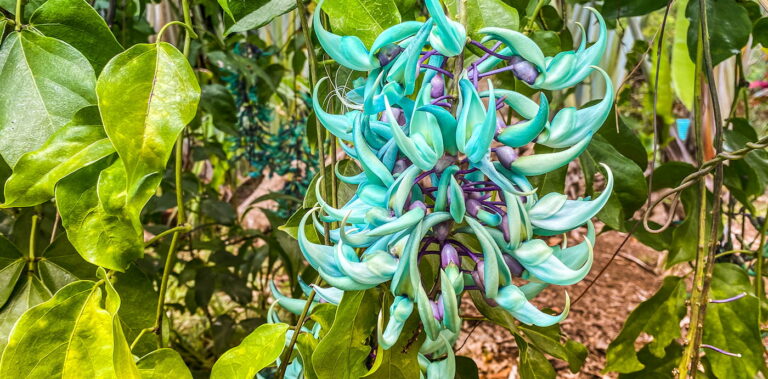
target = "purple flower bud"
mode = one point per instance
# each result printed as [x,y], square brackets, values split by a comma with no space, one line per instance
[442,230]
[418,204]
[523,69]
[506,155]
[473,206]
[400,166]
[504,227]
[478,275]
[500,125]
[449,255]
[437,308]
[438,86]
[388,53]
[395,111]
[515,268]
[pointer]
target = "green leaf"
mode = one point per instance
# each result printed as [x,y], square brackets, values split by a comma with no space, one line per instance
[533,363]
[486,13]
[617,8]
[77,144]
[139,304]
[733,326]
[400,360]
[61,265]
[262,347]
[163,363]
[29,6]
[147,95]
[682,65]
[30,292]
[655,367]
[343,351]
[548,340]
[78,24]
[729,28]
[80,338]
[658,317]
[466,368]
[365,19]
[760,32]
[249,15]
[104,234]
[624,140]
[46,82]
[306,344]
[217,101]
[12,263]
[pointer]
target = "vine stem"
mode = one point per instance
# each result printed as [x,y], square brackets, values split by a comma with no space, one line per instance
[705,255]
[759,284]
[17,16]
[180,214]
[312,62]
[532,20]
[31,252]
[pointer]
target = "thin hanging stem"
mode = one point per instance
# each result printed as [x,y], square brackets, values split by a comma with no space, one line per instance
[532,20]
[180,214]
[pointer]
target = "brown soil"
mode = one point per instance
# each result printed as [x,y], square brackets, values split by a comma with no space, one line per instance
[594,321]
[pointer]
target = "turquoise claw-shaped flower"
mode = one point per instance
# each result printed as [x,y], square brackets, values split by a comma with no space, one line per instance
[569,126]
[539,260]
[555,214]
[538,164]
[513,300]
[449,36]
[476,126]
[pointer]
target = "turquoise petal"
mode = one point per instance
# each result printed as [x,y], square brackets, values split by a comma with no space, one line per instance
[349,51]
[449,36]
[513,300]
[538,164]
[573,212]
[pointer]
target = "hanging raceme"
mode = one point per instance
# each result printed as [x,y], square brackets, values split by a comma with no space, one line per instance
[444,176]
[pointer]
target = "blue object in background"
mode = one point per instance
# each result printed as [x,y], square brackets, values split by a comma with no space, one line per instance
[683,125]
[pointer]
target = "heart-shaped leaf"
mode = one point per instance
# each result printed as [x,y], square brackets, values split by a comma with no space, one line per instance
[45,81]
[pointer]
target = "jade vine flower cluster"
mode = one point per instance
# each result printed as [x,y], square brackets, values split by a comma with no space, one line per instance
[447,176]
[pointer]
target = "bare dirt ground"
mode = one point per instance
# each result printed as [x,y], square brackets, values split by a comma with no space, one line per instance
[594,321]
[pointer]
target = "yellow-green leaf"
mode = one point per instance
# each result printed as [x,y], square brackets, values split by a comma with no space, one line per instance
[262,347]
[146,95]
[77,144]
[26,295]
[106,236]
[69,336]
[163,363]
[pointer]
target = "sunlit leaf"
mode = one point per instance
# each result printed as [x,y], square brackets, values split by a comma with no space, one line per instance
[147,95]
[105,235]
[163,363]
[260,349]
[77,144]
[49,81]
[80,340]
[365,19]
[29,293]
